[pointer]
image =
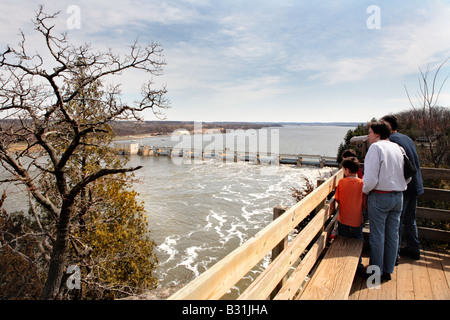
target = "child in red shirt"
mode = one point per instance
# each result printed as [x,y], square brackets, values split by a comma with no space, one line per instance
[352,201]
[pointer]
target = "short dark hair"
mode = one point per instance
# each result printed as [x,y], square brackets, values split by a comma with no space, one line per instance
[392,120]
[348,153]
[382,128]
[351,163]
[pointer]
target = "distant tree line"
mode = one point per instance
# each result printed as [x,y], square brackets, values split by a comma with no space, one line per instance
[126,128]
[429,130]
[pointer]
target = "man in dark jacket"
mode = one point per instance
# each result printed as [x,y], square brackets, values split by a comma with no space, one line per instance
[408,224]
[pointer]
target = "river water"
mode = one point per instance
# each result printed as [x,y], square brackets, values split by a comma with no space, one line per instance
[199,211]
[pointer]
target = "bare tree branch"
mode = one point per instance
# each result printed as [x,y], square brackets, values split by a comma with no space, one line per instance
[45,108]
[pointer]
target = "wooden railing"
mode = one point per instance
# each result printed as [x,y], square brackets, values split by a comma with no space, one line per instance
[441,215]
[217,280]
[286,274]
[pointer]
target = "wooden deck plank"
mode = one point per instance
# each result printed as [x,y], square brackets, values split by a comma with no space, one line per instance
[335,274]
[365,293]
[438,281]
[388,290]
[424,279]
[356,288]
[405,287]
[421,280]
[445,261]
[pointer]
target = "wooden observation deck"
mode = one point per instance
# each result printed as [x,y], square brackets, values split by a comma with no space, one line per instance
[307,265]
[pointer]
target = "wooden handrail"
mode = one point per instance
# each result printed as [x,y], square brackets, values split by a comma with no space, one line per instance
[434,214]
[435,173]
[435,194]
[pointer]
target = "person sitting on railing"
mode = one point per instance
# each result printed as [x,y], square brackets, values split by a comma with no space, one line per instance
[352,203]
[351,199]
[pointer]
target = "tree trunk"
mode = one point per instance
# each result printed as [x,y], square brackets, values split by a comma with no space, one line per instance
[58,259]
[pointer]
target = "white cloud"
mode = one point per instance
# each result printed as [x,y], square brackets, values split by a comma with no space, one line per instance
[332,71]
[399,50]
[419,41]
[101,15]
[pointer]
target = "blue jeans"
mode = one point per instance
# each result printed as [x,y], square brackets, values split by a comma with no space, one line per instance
[384,219]
[408,225]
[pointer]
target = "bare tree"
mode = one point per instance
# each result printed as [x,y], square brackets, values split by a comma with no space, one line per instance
[35,103]
[432,118]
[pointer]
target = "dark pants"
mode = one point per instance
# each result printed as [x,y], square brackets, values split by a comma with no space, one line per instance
[408,226]
[351,232]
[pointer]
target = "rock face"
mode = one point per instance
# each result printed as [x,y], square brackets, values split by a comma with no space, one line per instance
[156,294]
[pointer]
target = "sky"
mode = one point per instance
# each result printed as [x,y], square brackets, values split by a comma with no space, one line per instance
[263,61]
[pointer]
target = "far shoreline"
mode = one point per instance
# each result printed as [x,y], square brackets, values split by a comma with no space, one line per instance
[128,137]
[139,136]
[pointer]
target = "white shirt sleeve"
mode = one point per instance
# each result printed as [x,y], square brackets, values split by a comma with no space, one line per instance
[371,169]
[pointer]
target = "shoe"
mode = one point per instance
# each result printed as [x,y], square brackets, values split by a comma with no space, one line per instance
[362,271]
[406,253]
[386,276]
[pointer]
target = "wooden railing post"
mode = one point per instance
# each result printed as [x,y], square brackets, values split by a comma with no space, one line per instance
[322,204]
[277,212]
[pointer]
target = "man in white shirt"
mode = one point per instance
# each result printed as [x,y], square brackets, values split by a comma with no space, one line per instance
[384,184]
